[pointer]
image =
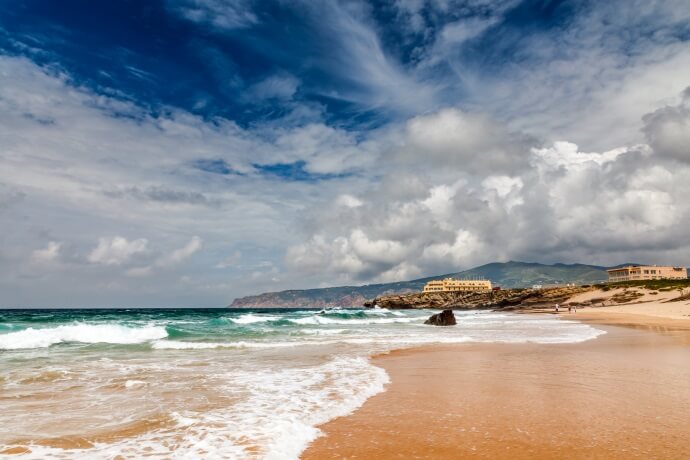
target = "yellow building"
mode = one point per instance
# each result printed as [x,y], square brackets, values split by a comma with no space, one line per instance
[646,272]
[450,284]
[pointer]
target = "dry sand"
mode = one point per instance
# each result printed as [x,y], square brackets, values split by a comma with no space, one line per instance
[653,311]
[646,295]
[624,395]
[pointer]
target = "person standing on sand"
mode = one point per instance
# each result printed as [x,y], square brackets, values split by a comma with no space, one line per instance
[570,308]
[557,306]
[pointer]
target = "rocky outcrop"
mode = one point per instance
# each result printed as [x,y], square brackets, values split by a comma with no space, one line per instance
[445,318]
[502,299]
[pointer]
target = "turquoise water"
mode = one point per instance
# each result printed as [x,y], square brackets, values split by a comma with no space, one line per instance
[213,383]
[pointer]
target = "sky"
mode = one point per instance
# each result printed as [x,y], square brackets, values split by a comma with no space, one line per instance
[186,152]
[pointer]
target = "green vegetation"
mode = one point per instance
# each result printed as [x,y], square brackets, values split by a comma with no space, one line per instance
[656,285]
[526,274]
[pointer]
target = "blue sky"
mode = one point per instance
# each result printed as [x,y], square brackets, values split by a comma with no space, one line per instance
[185,152]
[251,62]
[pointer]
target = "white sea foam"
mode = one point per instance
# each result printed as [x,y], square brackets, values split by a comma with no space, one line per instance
[180,345]
[327,331]
[251,319]
[384,342]
[276,420]
[317,319]
[129,384]
[279,414]
[82,333]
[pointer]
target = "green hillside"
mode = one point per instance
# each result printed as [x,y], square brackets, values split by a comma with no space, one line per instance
[525,274]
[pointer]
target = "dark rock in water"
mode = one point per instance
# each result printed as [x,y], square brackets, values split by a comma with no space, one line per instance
[445,318]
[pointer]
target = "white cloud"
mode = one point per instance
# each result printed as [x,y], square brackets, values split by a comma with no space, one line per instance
[281,86]
[230,261]
[374,79]
[668,130]
[325,150]
[223,14]
[48,254]
[169,260]
[557,203]
[567,154]
[507,190]
[116,250]
[474,143]
[591,81]
[79,165]
[178,255]
[348,201]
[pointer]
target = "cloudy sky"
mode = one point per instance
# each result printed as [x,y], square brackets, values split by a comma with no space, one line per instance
[186,152]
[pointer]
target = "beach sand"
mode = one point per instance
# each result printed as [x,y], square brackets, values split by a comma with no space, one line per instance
[651,313]
[625,394]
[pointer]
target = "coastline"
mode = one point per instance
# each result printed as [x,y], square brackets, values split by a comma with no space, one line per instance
[622,395]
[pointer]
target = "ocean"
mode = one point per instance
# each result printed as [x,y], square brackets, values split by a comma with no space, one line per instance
[211,383]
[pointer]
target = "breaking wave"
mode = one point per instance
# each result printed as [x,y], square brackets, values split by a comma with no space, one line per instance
[80,333]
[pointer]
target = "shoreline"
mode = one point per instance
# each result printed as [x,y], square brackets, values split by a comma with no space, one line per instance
[623,394]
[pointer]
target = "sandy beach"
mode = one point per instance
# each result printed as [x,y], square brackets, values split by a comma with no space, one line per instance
[623,395]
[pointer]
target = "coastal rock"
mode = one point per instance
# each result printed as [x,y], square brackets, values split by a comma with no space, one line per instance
[505,299]
[445,318]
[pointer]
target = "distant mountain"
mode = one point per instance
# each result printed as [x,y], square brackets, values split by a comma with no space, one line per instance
[506,274]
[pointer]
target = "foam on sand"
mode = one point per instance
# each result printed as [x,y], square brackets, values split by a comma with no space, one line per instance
[276,420]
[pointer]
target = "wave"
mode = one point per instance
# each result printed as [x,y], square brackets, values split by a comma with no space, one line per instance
[324,393]
[392,340]
[277,418]
[179,345]
[81,333]
[326,331]
[319,319]
[250,318]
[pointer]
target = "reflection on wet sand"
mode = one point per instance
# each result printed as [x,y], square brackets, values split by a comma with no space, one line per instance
[623,395]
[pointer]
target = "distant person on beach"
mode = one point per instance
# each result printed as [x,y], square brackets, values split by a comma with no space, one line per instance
[570,308]
[557,306]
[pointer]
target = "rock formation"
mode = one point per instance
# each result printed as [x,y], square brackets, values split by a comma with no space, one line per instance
[504,299]
[445,318]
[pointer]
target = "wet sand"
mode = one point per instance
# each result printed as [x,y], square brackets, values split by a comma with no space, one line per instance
[625,394]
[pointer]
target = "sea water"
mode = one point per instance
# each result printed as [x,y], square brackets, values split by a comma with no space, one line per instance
[211,383]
